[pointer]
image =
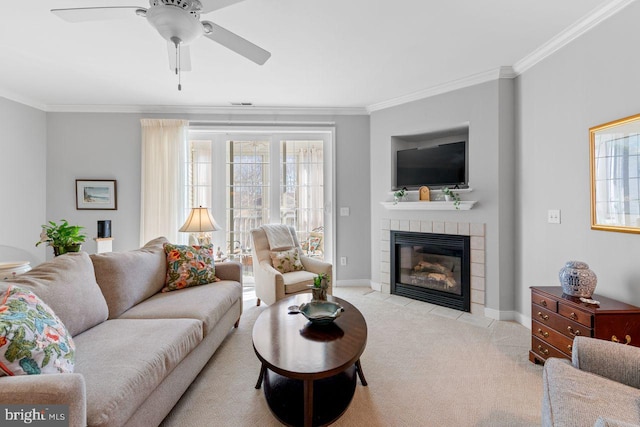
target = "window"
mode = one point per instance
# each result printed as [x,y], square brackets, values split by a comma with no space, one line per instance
[252,179]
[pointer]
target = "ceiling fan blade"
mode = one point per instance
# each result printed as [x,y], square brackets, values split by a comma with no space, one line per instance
[185,57]
[237,44]
[211,5]
[86,14]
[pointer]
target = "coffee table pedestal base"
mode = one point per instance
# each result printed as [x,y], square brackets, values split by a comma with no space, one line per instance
[330,397]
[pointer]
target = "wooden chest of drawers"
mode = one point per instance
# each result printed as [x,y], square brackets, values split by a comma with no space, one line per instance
[557,318]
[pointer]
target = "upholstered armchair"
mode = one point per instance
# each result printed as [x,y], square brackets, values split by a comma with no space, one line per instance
[600,387]
[272,284]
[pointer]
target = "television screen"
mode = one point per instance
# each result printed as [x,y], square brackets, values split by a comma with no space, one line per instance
[434,166]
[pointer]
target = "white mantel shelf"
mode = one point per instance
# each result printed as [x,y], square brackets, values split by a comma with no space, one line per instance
[465,205]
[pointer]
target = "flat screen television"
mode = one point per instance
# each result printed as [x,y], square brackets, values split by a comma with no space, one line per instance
[438,166]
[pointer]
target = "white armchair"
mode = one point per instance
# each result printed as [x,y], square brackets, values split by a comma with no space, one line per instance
[271,284]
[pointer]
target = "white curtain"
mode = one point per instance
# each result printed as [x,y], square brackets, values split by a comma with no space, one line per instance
[310,193]
[163,186]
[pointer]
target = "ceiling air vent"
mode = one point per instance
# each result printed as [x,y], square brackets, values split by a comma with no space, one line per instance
[242,104]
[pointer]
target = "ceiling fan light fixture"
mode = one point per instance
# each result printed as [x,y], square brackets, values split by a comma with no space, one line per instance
[172,22]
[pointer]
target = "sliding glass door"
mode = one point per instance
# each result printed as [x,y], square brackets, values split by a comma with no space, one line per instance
[263,178]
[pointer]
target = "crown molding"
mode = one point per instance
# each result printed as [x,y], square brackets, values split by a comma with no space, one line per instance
[571,33]
[472,80]
[12,96]
[185,109]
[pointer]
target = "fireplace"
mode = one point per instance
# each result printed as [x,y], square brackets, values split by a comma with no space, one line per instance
[430,267]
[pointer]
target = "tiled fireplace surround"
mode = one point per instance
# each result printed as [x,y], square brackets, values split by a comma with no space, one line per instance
[475,230]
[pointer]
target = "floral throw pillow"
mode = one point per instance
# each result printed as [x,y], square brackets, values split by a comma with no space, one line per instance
[188,266]
[286,261]
[33,340]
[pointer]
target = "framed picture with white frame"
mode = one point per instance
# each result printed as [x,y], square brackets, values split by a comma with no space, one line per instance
[96,194]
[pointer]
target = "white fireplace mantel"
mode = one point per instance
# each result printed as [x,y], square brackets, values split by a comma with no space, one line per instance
[465,205]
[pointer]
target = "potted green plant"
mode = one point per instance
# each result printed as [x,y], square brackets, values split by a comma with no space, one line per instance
[451,196]
[399,195]
[320,286]
[62,237]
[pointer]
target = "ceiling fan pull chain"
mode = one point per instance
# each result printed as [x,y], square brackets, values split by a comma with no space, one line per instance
[177,42]
[179,70]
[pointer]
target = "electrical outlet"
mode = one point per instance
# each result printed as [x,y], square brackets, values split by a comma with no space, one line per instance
[553,216]
[343,260]
[344,211]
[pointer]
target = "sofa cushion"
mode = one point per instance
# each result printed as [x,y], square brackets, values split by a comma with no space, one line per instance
[68,285]
[572,397]
[286,261]
[207,303]
[188,266]
[124,361]
[126,278]
[33,340]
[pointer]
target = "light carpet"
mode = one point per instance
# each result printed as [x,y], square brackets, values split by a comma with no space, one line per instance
[425,365]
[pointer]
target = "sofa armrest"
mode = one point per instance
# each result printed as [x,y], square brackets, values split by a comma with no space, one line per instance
[48,389]
[611,360]
[230,270]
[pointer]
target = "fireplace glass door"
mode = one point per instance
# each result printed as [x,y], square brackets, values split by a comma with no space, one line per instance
[420,266]
[431,267]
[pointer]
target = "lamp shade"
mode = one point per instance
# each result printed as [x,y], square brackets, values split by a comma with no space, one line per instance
[199,220]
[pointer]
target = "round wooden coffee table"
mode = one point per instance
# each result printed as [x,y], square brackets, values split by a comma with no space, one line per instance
[309,371]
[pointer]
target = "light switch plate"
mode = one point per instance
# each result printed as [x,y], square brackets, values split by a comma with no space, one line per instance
[553,216]
[344,211]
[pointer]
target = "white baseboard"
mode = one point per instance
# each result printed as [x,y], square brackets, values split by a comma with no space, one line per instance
[508,316]
[353,282]
[376,286]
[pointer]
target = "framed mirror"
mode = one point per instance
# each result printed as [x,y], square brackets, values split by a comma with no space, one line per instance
[615,175]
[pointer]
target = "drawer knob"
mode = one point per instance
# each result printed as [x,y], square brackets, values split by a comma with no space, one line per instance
[572,332]
[573,316]
[569,347]
[544,333]
[542,350]
[627,339]
[543,303]
[543,316]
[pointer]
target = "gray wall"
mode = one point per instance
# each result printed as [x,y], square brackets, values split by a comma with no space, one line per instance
[592,81]
[22,177]
[92,146]
[488,109]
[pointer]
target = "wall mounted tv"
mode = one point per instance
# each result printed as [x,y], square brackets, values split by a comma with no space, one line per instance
[436,166]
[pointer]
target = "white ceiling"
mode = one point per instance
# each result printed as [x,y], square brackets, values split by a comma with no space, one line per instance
[325,53]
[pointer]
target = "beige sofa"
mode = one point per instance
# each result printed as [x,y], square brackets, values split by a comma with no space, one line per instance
[600,387]
[137,349]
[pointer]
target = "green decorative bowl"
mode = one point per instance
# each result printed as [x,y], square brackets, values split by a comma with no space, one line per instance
[321,312]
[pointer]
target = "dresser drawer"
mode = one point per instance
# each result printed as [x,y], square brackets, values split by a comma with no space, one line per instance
[579,316]
[561,324]
[545,350]
[553,337]
[545,302]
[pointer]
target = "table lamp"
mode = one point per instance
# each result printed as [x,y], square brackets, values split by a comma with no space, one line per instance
[200,221]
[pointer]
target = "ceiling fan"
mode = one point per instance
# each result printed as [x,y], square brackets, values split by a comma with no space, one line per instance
[177,21]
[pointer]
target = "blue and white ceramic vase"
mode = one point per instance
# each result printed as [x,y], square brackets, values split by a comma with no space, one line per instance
[577,280]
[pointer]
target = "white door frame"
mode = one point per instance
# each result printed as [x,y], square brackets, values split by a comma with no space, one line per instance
[278,133]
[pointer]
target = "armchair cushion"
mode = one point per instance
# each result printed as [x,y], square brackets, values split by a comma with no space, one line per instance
[297,281]
[286,261]
[611,360]
[33,340]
